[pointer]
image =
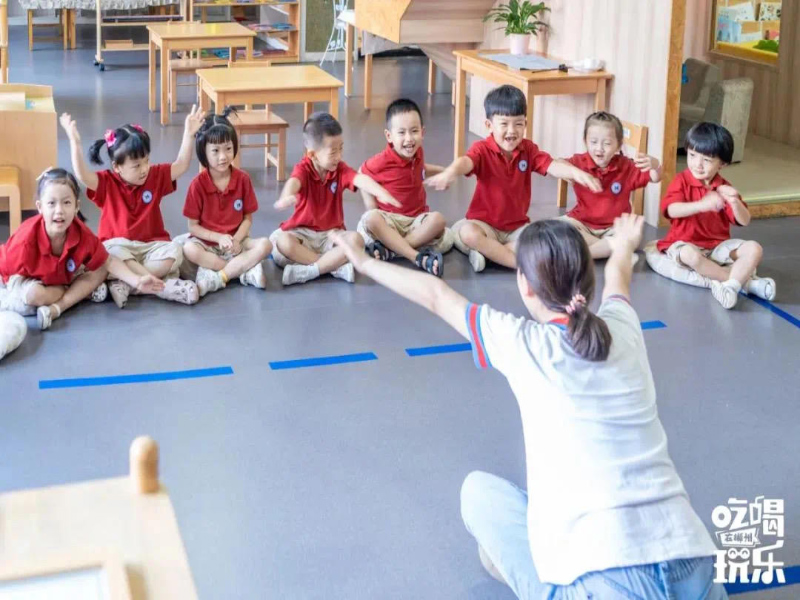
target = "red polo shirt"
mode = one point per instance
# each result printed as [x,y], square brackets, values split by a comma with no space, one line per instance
[503,194]
[402,178]
[706,229]
[222,212]
[130,211]
[28,253]
[319,202]
[619,179]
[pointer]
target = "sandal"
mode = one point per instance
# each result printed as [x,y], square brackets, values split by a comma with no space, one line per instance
[180,290]
[432,256]
[382,251]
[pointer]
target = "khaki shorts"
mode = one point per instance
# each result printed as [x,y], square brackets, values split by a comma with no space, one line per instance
[14,294]
[498,235]
[721,254]
[318,241]
[585,229]
[213,248]
[146,252]
[404,226]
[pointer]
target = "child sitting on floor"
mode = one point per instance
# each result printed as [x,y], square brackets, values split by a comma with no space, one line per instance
[53,261]
[502,163]
[129,197]
[618,175]
[412,231]
[219,205]
[702,206]
[303,244]
[605,514]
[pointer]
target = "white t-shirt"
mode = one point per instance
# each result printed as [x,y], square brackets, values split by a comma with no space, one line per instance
[602,489]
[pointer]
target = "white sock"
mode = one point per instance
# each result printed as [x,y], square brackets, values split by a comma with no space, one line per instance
[299,273]
[763,287]
[346,273]
[477,260]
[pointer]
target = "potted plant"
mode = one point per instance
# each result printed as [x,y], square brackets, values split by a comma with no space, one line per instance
[521,20]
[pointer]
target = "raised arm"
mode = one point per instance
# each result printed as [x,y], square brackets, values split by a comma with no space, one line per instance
[428,291]
[626,238]
[85,174]
[191,126]
[561,169]
[288,195]
[459,167]
[645,162]
[369,185]
[732,197]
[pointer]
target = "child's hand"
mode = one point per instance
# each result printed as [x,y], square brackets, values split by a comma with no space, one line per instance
[194,120]
[644,162]
[587,181]
[226,242]
[285,202]
[353,251]
[728,193]
[69,125]
[149,284]
[236,247]
[387,198]
[627,236]
[713,202]
[442,181]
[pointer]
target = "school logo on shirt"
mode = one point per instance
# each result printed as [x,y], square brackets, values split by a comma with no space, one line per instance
[616,187]
[749,532]
[523,165]
[334,186]
[147,197]
[71,265]
[238,204]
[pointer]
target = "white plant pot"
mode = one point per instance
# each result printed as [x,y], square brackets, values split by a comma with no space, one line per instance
[519,43]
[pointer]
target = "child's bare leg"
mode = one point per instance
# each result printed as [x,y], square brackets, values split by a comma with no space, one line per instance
[693,258]
[745,260]
[430,229]
[474,237]
[44,295]
[159,268]
[254,252]
[291,248]
[137,267]
[389,236]
[80,288]
[599,248]
[202,257]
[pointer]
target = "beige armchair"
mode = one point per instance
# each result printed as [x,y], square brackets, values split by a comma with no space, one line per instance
[702,76]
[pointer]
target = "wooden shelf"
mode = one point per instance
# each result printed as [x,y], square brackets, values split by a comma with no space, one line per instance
[126,48]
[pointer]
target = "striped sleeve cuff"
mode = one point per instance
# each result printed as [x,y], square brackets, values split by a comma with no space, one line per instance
[479,353]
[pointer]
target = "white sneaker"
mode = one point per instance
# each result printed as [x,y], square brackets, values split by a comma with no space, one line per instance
[44,317]
[346,273]
[254,277]
[726,293]
[477,260]
[208,281]
[489,565]
[763,287]
[100,293]
[299,273]
[119,291]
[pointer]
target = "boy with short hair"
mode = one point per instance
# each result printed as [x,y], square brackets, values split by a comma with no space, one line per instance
[412,231]
[303,245]
[502,164]
[702,206]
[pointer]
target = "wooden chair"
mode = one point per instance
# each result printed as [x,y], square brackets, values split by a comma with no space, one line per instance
[3,41]
[184,66]
[9,188]
[257,122]
[633,137]
[66,24]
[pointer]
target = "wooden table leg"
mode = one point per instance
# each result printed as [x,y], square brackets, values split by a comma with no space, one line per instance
[72,29]
[151,82]
[281,166]
[452,93]
[164,60]
[431,77]
[248,49]
[30,30]
[348,61]
[600,95]
[461,106]
[334,108]
[561,197]
[368,81]
[308,108]
[65,27]
[220,102]
[529,96]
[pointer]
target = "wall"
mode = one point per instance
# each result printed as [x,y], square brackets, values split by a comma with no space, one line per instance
[633,37]
[698,27]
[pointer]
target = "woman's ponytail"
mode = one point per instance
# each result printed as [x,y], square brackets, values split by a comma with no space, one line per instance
[588,334]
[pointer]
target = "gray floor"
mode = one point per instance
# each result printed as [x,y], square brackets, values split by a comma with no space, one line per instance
[343,481]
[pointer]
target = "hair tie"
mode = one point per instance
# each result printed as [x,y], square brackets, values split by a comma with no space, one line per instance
[137,127]
[577,301]
[110,137]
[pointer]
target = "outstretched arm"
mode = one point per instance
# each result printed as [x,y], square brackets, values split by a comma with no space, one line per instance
[85,174]
[191,126]
[369,199]
[627,235]
[289,194]
[428,291]
[369,185]
[459,167]
[561,169]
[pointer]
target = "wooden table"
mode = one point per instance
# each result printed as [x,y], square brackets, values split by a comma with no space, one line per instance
[532,83]
[269,85]
[170,37]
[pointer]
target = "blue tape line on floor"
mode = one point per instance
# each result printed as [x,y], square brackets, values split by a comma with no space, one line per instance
[466,347]
[322,361]
[51,384]
[792,575]
[781,313]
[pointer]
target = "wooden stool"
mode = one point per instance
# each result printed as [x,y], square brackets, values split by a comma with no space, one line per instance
[183,66]
[252,122]
[9,188]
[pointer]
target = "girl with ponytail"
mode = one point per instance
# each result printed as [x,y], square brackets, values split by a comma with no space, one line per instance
[129,198]
[607,515]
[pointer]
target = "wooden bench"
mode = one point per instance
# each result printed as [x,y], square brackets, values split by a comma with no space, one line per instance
[9,188]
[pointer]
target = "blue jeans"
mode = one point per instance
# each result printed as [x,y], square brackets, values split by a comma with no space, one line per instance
[495,513]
